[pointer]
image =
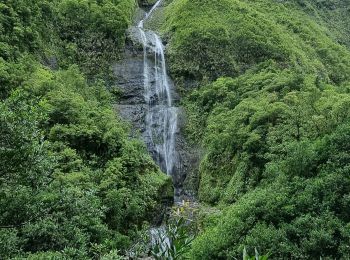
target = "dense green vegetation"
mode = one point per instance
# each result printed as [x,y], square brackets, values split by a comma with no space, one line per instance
[73,185]
[266,88]
[333,14]
[64,32]
[272,112]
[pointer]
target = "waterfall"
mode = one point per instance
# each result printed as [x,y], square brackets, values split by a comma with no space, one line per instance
[161,117]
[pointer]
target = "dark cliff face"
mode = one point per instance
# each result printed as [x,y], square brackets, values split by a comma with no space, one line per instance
[146,3]
[129,73]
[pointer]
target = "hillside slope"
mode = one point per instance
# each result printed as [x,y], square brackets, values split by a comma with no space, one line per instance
[333,14]
[271,109]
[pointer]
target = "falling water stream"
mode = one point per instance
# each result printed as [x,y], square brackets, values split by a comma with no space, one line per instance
[161,117]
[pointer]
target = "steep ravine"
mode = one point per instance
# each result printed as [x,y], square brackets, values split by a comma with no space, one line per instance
[150,102]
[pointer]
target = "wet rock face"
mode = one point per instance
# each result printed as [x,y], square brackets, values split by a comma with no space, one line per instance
[134,108]
[130,79]
[147,3]
[129,74]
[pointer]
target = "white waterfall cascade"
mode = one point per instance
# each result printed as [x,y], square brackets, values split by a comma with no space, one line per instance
[161,118]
